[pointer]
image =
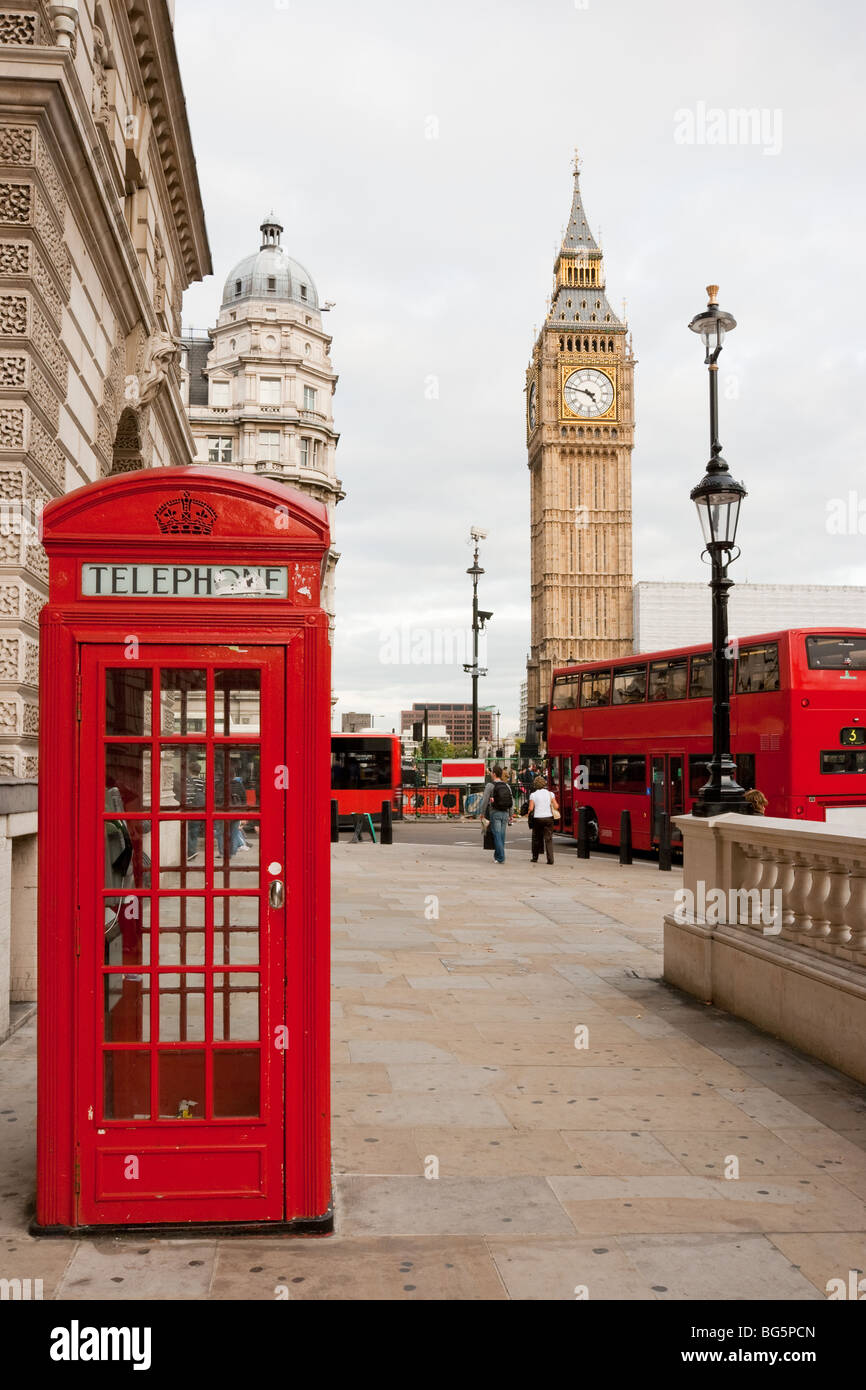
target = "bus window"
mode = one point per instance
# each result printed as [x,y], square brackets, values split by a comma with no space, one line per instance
[360,768]
[758,668]
[629,685]
[554,773]
[836,653]
[597,775]
[675,765]
[698,771]
[701,683]
[667,679]
[594,689]
[844,760]
[565,692]
[628,774]
[745,770]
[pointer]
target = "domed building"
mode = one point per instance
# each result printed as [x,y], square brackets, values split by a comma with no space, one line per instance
[258,386]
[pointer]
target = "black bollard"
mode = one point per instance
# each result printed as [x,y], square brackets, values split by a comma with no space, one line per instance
[335,822]
[625,837]
[387,834]
[582,833]
[664,841]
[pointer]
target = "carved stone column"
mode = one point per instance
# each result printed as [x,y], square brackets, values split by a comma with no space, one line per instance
[34,286]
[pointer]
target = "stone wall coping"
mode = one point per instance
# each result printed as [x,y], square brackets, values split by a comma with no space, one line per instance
[776,830]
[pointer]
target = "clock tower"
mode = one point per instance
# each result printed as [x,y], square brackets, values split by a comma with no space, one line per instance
[580,434]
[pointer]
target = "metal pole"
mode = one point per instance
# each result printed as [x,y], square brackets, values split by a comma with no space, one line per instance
[625,837]
[582,833]
[426,749]
[664,841]
[475,654]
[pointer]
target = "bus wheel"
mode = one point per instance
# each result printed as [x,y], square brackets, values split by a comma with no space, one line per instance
[592,825]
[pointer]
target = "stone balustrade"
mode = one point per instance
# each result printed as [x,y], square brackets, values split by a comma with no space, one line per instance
[814,874]
[771,924]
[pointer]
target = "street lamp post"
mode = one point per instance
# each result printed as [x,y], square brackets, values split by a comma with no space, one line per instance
[478,620]
[718,497]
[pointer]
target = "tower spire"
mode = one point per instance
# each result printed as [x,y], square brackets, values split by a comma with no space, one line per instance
[577,236]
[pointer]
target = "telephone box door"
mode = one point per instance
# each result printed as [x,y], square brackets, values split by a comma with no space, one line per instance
[181,934]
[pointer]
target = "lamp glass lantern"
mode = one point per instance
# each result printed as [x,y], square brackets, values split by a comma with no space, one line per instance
[717,498]
[712,324]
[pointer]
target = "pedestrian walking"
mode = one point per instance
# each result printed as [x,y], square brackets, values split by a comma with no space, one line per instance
[498,802]
[757,801]
[543,811]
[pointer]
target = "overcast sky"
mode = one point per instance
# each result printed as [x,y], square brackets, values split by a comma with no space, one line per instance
[420,158]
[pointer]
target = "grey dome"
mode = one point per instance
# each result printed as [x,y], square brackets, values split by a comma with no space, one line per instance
[270,273]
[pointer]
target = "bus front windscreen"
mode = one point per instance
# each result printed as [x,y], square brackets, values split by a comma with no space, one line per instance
[829,653]
[363,763]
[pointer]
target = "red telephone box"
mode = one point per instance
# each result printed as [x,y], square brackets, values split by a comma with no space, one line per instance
[184,865]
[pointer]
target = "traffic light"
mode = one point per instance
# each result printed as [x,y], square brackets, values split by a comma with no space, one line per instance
[417,732]
[541,721]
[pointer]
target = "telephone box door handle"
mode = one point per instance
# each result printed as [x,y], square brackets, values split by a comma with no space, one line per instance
[276,892]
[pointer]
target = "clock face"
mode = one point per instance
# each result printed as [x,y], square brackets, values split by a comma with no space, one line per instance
[532,408]
[588,392]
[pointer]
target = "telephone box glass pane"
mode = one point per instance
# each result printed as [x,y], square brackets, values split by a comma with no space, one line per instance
[182,701]
[126,1007]
[236,1006]
[127,849]
[236,930]
[236,776]
[182,776]
[240,867]
[182,850]
[237,702]
[127,776]
[236,1082]
[126,1083]
[127,930]
[127,701]
[181,930]
[181,1084]
[181,1007]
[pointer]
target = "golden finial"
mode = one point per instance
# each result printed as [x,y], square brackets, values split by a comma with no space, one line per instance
[576,161]
[713,292]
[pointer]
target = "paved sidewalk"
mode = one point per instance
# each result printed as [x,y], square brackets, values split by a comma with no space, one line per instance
[559,1167]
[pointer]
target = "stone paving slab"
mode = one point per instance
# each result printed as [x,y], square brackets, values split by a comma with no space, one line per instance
[560,1166]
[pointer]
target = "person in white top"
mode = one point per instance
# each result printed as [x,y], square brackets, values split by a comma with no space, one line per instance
[544,811]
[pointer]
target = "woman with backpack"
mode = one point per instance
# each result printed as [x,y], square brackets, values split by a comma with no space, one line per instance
[497,803]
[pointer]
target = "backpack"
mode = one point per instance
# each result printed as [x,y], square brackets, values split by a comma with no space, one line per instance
[501,797]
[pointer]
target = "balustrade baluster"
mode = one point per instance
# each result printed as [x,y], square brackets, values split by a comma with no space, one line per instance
[837,902]
[800,891]
[855,912]
[819,926]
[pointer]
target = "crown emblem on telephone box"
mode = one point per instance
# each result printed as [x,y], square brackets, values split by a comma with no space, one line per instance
[186,516]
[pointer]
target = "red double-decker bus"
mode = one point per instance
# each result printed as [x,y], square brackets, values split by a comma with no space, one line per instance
[635,734]
[367,769]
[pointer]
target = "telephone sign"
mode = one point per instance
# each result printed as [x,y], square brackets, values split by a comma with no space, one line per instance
[184,879]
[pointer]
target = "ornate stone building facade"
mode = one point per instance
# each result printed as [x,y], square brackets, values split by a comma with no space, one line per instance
[580,434]
[258,387]
[101,230]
